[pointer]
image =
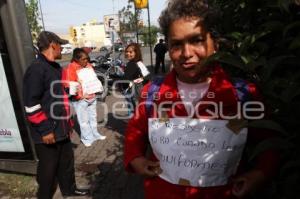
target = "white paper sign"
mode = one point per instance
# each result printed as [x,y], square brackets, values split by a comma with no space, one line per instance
[143,69]
[194,152]
[89,82]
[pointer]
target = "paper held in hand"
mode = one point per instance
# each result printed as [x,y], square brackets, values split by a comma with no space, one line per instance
[89,82]
[143,69]
[196,152]
[73,87]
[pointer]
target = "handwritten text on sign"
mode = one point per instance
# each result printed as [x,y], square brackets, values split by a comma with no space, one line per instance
[89,81]
[194,152]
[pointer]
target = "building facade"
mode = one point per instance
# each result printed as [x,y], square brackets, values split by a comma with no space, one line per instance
[91,34]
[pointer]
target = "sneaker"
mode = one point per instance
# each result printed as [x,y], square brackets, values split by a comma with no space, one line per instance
[101,137]
[78,192]
[88,144]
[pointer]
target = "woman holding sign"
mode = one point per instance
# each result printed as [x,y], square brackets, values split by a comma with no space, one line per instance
[83,84]
[194,121]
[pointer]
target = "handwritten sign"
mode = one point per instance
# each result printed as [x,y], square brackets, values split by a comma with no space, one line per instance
[89,82]
[196,152]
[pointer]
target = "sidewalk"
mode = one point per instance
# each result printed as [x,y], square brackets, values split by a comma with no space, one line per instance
[101,165]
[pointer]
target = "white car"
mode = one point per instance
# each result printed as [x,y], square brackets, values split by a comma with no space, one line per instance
[66,50]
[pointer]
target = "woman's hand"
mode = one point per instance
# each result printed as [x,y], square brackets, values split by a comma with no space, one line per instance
[247,183]
[138,80]
[145,167]
[130,84]
[88,96]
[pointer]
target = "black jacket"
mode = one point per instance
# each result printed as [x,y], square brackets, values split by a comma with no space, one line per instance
[132,72]
[45,101]
[160,49]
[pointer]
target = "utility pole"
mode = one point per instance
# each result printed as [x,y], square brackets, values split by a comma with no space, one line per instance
[136,24]
[149,30]
[112,29]
[112,35]
[42,17]
[138,5]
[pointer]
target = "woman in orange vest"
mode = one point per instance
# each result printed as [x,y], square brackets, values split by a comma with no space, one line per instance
[83,103]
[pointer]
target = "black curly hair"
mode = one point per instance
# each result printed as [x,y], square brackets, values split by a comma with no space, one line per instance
[177,9]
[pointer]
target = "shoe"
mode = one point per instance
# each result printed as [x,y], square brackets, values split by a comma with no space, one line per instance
[88,145]
[78,192]
[100,137]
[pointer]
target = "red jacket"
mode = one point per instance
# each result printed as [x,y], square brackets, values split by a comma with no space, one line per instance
[136,138]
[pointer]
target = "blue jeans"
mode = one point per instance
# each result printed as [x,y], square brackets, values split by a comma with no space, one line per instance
[87,118]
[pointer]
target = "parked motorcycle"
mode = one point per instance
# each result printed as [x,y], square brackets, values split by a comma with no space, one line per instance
[108,70]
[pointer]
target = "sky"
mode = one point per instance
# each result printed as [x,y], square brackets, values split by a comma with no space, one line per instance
[59,15]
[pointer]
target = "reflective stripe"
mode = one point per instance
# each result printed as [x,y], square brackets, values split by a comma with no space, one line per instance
[33,108]
[37,117]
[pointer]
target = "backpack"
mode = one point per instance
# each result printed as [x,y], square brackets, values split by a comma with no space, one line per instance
[241,86]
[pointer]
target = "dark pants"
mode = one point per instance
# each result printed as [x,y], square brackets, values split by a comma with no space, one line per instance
[132,96]
[160,60]
[56,165]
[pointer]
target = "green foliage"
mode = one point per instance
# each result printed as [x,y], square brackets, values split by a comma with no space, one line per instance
[153,34]
[128,19]
[262,44]
[129,23]
[33,18]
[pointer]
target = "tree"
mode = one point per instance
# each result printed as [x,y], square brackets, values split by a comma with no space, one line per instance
[262,44]
[145,34]
[128,19]
[33,18]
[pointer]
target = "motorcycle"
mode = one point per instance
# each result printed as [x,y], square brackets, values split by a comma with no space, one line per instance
[108,70]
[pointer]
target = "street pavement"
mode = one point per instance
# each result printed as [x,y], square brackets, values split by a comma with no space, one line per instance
[100,166]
